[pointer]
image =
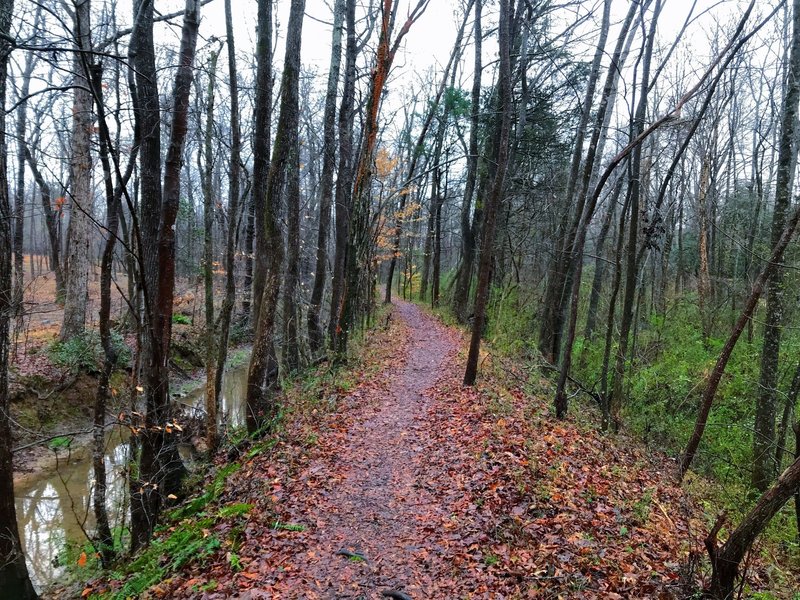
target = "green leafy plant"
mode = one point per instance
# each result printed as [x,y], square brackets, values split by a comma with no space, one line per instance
[84,353]
[288,526]
[60,443]
[235,510]
[180,319]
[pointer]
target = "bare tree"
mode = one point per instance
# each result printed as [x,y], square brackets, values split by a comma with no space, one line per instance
[13,571]
[495,198]
[262,376]
[81,197]
[315,336]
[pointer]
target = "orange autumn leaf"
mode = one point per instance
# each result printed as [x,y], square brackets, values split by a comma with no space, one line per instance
[82,560]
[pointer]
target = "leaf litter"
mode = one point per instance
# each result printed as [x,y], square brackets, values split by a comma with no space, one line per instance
[417,487]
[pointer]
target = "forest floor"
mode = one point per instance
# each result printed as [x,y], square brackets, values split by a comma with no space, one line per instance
[417,487]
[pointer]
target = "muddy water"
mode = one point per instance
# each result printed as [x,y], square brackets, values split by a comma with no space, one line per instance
[53,506]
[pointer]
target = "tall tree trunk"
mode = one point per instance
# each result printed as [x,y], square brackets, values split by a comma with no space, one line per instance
[261,163]
[418,150]
[600,264]
[81,200]
[226,310]
[208,256]
[19,196]
[468,234]
[556,292]
[704,277]
[715,376]
[344,178]
[105,540]
[262,376]
[315,335]
[291,311]
[160,468]
[13,571]
[495,198]
[766,404]
[723,59]
[637,190]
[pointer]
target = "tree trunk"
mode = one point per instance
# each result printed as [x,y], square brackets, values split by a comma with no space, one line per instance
[468,233]
[262,377]
[315,335]
[160,468]
[19,197]
[261,163]
[557,282]
[495,198]
[208,257]
[291,311]
[52,226]
[725,561]
[81,200]
[714,378]
[704,277]
[354,293]
[722,60]
[344,178]
[766,403]
[226,310]
[636,191]
[13,571]
[105,540]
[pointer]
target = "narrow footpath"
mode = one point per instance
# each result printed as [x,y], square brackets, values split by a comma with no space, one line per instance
[415,487]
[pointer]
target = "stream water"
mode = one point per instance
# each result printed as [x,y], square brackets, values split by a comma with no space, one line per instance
[53,506]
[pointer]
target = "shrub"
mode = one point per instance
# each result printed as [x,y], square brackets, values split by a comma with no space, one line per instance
[85,353]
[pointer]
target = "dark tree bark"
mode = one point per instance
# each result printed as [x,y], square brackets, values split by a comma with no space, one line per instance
[725,560]
[775,259]
[208,255]
[51,222]
[262,376]
[722,60]
[764,468]
[495,198]
[261,162]
[434,207]
[635,185]
[19,195]
[291,311]
[600,265]
[105,540]
[468,237]
[160,468]
[418,150]
[13,571]
[344,179]
[315,334]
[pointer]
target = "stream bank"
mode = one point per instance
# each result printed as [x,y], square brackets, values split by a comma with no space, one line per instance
[52,480]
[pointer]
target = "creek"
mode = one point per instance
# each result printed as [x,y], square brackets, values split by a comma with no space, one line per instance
[53,505]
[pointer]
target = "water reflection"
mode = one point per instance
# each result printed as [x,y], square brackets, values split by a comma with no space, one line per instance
[55,506]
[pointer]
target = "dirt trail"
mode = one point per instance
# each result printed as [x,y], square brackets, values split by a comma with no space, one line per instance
[373,503]
[420,487]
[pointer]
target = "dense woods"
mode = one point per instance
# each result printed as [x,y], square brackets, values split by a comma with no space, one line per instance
[602,193]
